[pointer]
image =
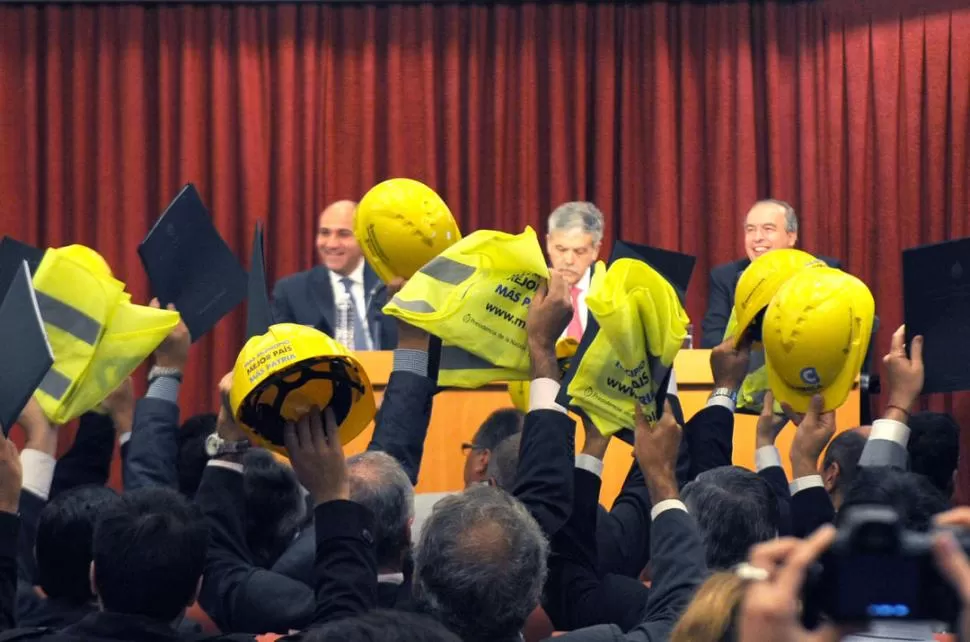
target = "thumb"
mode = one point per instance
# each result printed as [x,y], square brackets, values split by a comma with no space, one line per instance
[768,404]
[815,406]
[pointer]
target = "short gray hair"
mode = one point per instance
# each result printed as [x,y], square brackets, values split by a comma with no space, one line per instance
[791,219]
[480,564]
[578,215]
[503,463]
[378,482]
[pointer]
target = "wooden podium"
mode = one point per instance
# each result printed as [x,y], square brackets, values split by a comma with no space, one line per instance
[457,414]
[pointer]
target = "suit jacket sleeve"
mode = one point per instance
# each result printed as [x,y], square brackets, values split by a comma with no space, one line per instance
[710,439]
[152,457]
[88,462]
[402,421]
[30,507]
[576,595]
[778,481]
[810,509]
[282,312]
[345,568]
[623,533]
[236,594]
[9,530]
[544,476]
[718,309]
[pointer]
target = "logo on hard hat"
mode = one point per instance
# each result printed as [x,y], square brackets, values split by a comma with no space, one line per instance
[809,377]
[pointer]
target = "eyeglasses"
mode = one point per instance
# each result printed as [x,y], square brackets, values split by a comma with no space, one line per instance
[467,447]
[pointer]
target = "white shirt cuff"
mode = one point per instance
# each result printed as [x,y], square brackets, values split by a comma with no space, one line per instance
[542,395]
[38,470]
[124,438]
[890,430]
[804,483]
[228,465]
[590,463]
[724,402]
[766,457]
[664,506]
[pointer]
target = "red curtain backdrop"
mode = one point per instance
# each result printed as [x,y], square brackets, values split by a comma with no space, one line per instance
[673,118]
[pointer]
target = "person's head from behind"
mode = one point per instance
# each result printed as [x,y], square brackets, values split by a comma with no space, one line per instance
[192,457]
[769,225]
[149,553]
[840,463]
[573,239]
[480,565]
[735,509]
[912,496]
[499,425]
[336,244]
[275,507]
[382,626]
[711,614]
[934,448]
[65,532]
[504,463]
[378,482]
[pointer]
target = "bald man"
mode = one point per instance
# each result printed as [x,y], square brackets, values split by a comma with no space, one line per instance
[342,296]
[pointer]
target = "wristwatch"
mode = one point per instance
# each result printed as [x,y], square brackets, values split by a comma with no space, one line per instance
[730,393]
[159,371]
[216,445]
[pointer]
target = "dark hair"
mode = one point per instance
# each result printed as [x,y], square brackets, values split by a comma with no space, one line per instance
[504,462]
[498,426]
[382,626]
[735,509]
[378,482]
[192,458]
[480,564]
[149,552]
[912,496]
[934,448]
[845,450]
[65,531]
[275,510]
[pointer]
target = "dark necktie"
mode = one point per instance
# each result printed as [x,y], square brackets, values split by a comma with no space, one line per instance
[359,334]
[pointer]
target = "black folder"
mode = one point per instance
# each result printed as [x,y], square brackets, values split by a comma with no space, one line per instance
[12,254]
[936,305]
[24,349]
[259,316]
[189,264]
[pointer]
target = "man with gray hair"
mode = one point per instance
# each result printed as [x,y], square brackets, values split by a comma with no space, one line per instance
[770,224]
[379,483]
[480,565]
[573,239]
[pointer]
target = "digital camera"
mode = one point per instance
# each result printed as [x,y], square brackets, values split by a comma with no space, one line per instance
[877,570]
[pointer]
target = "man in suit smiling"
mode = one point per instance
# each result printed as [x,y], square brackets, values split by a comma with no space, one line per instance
[342,296]
[769,225]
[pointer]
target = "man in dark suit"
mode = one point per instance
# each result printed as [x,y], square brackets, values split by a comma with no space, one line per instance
[342,296]
[769,225]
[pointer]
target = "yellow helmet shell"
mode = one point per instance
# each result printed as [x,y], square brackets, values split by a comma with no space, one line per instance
[761,280]
[401,224]
[88,258]
[816,333]
[519,390]
[280,375]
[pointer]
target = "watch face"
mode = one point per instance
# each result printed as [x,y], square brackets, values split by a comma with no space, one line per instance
[212,444]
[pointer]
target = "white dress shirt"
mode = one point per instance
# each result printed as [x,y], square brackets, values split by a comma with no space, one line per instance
[583,286]
[360,300]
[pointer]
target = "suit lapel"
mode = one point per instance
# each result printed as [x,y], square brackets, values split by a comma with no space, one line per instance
[322,298]
[374,297]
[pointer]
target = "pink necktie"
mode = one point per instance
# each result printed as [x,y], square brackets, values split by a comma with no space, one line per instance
[575,329]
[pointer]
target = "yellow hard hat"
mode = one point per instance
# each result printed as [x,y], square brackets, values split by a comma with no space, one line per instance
[816,333]
[519,390]
[279,376]
[401,224]
[761,280]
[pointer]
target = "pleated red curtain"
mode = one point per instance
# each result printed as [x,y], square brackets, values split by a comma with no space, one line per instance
[672,117]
